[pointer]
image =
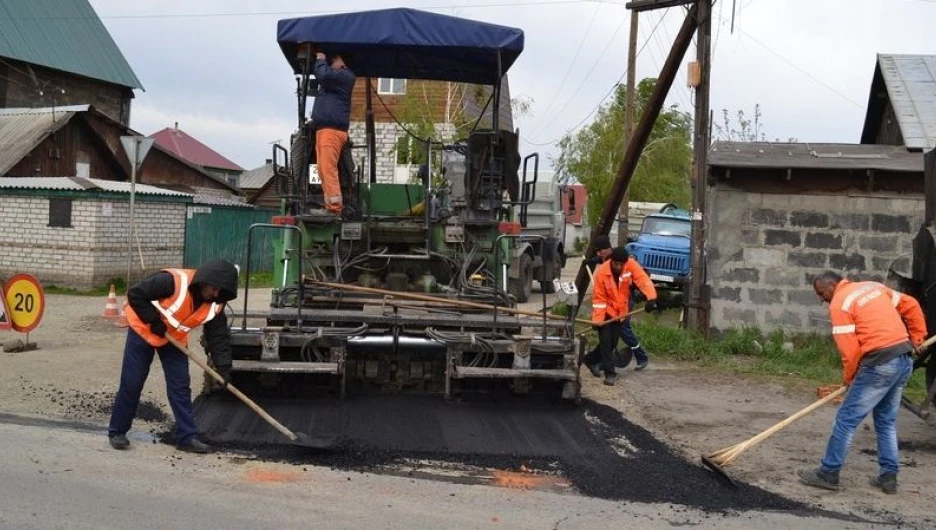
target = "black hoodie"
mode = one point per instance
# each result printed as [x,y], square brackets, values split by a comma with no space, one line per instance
[218,273]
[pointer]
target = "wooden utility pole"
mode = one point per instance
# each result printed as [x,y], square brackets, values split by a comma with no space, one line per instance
[642,133]
[698,303]
[624,212]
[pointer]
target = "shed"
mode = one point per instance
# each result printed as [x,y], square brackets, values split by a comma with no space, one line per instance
[902,103]
[781,212]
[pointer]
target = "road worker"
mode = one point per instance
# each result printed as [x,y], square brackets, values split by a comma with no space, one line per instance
[173,302]
[611,300]
[331,114]
[876,331]
[602,248]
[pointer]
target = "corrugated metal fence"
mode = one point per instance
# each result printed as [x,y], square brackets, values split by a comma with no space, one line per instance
[219,232]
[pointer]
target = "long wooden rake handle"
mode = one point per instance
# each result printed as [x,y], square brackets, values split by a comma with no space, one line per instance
[240,395]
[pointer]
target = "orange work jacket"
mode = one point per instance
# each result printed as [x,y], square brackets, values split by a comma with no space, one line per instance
[610,298]
[177,312]
[868,316]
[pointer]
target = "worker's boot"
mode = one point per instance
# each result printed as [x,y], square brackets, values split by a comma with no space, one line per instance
[609,379]
[820,479]
[194,445]
[119,441]
[595,369]
[886,482]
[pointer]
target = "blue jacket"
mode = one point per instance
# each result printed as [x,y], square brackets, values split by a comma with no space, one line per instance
[332,107]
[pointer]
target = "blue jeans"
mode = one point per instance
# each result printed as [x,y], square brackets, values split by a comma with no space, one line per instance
[632,342]
[138,356]
[876,390]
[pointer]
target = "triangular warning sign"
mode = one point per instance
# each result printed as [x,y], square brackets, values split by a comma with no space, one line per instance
[4,311]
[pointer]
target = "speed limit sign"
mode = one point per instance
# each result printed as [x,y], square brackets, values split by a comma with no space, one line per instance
[25,302]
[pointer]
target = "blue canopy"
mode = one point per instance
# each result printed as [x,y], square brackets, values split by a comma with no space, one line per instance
[406,43]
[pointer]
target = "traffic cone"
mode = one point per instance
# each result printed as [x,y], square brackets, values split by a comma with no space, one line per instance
[111,310]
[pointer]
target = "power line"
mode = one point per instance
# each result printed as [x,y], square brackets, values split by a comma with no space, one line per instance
[610,91]
[317,12]
[565,77]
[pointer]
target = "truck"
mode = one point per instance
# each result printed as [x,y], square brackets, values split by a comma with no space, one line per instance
[662,246]
[417,289]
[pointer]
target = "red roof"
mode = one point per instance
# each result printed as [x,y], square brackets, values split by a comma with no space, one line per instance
[187,148]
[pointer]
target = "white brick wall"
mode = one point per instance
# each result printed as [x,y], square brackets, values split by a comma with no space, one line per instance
[387,135]
[94,249]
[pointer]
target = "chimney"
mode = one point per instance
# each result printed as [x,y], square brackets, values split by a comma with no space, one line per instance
[177,126]
[269,161]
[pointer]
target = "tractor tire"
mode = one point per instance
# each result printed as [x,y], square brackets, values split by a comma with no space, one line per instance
[521,287]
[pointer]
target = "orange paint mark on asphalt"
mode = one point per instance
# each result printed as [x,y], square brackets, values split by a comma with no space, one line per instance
[272,476]
[515,480]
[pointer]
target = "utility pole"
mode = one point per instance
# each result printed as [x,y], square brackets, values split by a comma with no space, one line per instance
[698,303]
[649,115]
[624,212]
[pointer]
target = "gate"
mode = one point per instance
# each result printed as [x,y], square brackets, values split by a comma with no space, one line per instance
[220,232]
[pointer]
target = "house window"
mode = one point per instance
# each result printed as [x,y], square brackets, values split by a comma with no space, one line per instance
[60,213]
[232,180]
[396,87]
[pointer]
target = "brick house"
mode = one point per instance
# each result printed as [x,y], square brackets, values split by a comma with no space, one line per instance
[452,107]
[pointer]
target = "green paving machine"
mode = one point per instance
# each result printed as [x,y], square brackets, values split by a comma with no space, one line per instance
[416,288]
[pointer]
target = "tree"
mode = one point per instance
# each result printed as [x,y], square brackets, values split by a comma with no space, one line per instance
[746,129]
[594,153]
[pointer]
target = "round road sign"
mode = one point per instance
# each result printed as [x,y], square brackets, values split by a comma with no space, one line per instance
[25,300]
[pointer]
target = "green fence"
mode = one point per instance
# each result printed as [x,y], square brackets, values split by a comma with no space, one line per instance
[220,232]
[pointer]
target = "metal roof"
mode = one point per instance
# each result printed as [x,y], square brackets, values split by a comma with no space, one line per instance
[21,130]
[766,155]
[221,200]
[256,178]
[910,82]
[64,35]
[188,148]
[82,184]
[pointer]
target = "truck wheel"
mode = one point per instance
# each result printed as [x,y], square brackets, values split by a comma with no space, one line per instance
[522,286]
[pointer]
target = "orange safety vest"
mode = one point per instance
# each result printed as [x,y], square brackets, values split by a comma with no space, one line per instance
[176,312]
[610,298]
[868,316]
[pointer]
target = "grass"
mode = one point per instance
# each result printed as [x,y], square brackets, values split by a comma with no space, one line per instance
[810,357]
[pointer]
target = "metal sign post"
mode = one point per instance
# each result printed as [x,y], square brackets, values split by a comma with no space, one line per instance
[136,148]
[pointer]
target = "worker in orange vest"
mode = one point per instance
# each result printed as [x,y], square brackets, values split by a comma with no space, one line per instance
[173,302]
[876,331]
[610,300]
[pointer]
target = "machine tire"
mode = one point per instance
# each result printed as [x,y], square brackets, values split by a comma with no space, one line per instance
[521,287]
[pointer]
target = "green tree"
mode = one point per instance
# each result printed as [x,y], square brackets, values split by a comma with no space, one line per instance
[593,155]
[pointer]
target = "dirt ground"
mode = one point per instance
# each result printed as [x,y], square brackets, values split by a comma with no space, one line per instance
[695,412]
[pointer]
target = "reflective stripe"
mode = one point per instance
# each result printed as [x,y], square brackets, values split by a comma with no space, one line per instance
[334,199]
[846,305]
[626,275]
[839,330]
[599,306]
[212,312]
[896,298]
[170,318]
[177,303]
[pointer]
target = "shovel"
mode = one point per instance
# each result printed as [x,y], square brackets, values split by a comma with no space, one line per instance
[296,438]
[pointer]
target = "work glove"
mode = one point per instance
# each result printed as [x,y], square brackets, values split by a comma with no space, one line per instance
[225,373]
[158,328]
[652,306]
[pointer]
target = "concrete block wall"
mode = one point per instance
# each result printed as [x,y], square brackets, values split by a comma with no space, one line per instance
[762,251]
[94,249]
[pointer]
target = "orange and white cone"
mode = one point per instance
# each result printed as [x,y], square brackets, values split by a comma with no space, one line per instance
[111,310]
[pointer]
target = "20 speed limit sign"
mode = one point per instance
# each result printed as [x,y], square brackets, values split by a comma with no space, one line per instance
[25,301]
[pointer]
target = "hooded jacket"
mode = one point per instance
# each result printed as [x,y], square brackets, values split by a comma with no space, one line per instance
[611,296]
[332,106]
[161,286]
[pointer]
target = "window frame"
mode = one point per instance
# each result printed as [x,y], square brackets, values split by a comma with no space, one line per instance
[58,220]
[392,81]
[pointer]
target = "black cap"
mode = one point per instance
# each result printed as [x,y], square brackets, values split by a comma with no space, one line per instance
[619,254]
[602,242]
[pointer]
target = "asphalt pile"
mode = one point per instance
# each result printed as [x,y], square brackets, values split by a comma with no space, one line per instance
[592,446]
[80,405]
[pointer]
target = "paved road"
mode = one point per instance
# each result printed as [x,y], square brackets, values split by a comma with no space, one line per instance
[56,476]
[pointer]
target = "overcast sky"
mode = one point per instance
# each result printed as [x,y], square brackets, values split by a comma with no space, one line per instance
[214,66]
